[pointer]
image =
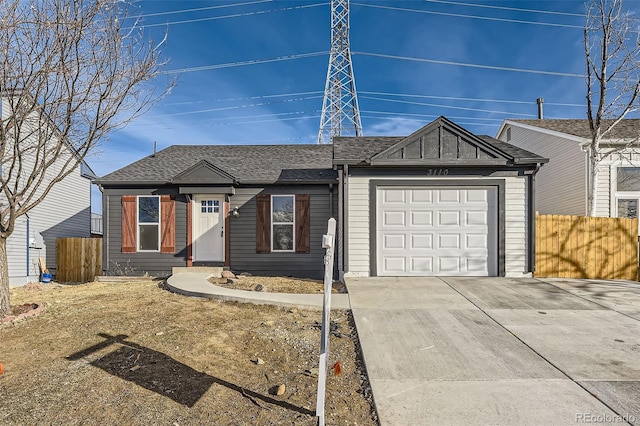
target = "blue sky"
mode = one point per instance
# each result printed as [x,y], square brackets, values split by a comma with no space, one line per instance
[476,63]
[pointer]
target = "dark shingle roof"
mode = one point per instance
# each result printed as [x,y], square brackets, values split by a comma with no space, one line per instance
[355,150]
[247,163]
[626,129]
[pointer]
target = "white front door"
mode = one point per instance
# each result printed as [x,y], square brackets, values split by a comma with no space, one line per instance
[208,228]
[436,231]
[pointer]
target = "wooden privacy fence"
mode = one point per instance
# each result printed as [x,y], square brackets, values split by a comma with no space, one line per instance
[586,247]
[78,259]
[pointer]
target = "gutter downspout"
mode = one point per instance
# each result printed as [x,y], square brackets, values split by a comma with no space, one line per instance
[346,218]
[105,230]
[533,221]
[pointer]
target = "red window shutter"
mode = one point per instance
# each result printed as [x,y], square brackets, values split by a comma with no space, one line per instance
[168,224]
[263,223]
[303,225]
[128,224]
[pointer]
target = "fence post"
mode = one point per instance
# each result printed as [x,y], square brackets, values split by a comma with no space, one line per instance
[328,243]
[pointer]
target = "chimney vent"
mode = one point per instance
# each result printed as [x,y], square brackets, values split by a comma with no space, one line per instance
[540,101]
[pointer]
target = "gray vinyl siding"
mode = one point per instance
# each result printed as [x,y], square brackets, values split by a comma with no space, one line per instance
[243,256]
[561,183]
[154,264]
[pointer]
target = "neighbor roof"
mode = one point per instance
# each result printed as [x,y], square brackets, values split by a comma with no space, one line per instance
[246,163]
[626,129]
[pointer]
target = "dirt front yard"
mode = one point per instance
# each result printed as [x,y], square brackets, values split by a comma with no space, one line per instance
[134,353]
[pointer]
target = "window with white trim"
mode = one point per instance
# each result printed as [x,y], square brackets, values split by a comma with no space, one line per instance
[627,191]
[209,206]
[282,222]
[148,223]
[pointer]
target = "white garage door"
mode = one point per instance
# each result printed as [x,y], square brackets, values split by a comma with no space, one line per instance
[436,231]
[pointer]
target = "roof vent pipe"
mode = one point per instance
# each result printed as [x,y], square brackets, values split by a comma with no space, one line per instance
[154,149]
[540,101]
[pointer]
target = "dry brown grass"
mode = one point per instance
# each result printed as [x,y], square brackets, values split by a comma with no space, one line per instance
[184,361]
[279,284]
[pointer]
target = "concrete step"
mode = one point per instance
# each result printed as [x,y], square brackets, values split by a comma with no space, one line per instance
[216,271]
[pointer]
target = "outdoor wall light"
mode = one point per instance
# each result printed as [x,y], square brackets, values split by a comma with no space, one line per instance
[236,211]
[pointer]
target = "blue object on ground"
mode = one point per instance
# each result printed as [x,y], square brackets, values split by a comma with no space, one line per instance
[46,278]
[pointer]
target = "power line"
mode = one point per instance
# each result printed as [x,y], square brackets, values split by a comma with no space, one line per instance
[468,99]
[243,63]
[204,111]
[405,114]
[516,9]
[447,106]
[466,64]
[235,15]
[198,9]
[458,15]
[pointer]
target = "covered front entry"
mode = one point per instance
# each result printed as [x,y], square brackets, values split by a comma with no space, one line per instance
[208,232]
[428,231]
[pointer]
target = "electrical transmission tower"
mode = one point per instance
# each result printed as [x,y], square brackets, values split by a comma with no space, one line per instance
[340,112]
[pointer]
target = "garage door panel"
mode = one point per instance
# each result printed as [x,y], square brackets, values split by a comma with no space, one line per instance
[419,196]
[476,264]
[421,218]
[448,218]
[394,218]
[448,195]
[421,241]
[394,265]
[476,218]
[421,265]
[449,241]
[476,241]
[394,196]
[395,241]
[476,196]
[449,264]
[436,231]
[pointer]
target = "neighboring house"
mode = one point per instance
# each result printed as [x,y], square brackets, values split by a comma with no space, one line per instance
[96,225]
[562,186]
[441,201]
[64,212]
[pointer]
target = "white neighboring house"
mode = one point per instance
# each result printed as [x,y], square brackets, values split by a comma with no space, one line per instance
[65,212]
[562,185]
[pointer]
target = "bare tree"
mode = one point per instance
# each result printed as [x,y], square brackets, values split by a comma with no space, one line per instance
[612,49]
[71,71]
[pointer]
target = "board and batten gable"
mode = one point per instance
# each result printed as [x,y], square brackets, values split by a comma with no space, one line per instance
[359,232]
[155,264]
[561,183]
[64,212]
[323,202]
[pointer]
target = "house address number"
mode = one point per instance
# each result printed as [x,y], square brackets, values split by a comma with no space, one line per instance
[437,172]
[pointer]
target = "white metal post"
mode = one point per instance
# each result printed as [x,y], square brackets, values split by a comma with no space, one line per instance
[328,243]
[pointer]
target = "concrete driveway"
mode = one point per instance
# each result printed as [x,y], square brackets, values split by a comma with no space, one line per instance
[500,351]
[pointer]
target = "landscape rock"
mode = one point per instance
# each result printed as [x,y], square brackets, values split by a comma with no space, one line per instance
[281,390]
[259,361]
[228,274]
[260,287]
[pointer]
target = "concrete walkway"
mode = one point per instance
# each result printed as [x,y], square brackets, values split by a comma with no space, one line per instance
[196,284]
[500,351]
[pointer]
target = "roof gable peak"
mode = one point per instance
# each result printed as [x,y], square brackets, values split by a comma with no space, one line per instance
[440,142]
[204,172]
